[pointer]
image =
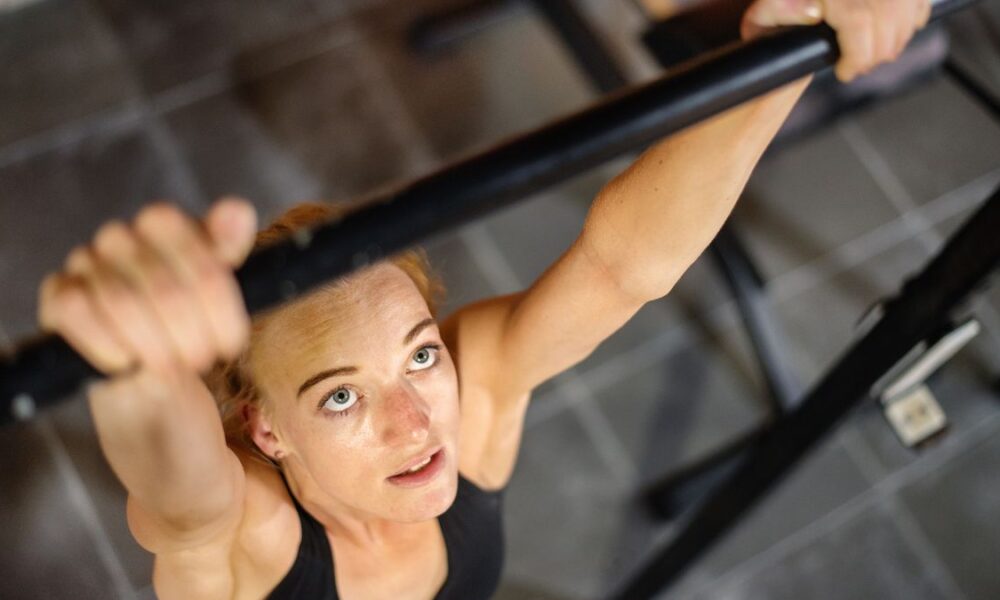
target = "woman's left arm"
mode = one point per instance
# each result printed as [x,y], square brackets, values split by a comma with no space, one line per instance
[649,224]
[643,231]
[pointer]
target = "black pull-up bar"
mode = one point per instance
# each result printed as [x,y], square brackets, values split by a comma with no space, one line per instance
[39,372]
[922,306]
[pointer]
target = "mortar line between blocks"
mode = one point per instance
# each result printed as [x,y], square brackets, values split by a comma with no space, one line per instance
[84,505]
[909,527]
[979,434]
[602,435]
[422,155]
[860,452]
[882,174]
[489,259]
[108,121]
[132,109]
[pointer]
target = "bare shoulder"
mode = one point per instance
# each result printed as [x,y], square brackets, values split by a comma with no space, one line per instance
[269,535]
[474,335]
[492,416]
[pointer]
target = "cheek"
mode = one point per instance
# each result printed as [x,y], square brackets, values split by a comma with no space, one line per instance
[354,432]
[446,401]
[340,456]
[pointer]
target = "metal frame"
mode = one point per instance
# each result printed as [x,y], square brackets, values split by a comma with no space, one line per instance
[923,306]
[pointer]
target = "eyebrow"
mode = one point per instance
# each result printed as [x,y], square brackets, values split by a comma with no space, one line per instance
[417,329]
[352,370]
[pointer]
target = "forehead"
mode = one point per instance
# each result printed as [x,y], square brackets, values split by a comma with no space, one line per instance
[366,311]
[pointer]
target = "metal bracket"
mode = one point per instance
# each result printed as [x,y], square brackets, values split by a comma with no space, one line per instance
[908,404]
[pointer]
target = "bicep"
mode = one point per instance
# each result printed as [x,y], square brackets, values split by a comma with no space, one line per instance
[556,323]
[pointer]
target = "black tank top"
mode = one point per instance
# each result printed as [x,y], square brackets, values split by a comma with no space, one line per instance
[473,539]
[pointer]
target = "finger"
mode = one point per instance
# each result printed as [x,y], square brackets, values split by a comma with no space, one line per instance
[131,284]
[173,299]
[853,22]
[904,28]
[65,308]
[924,8]
[768,14]
[181,242]
[885,30]
[79,261]
[231,224]
[907,25]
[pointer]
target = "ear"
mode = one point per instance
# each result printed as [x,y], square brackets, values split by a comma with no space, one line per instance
[262,432]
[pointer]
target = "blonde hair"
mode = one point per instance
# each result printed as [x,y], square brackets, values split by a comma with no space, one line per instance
[232,383]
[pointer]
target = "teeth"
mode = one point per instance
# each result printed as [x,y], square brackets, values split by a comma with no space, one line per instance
[420,466]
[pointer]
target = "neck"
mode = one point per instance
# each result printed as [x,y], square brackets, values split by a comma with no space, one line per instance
[349,525]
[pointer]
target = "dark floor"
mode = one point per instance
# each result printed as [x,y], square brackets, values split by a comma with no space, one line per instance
[107,104]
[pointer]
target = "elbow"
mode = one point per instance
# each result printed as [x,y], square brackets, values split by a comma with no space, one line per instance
[646,283]
[637,276]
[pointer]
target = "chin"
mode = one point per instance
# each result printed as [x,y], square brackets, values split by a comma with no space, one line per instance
[423,504]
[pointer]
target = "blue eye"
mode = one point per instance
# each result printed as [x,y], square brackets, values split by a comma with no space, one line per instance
[424,358]
[341,399]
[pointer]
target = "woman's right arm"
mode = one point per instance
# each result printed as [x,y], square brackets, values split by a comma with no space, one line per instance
[153,304]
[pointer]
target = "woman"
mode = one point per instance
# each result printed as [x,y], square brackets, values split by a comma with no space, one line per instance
[362,445]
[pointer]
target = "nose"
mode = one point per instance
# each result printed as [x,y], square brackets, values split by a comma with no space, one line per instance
[407,417]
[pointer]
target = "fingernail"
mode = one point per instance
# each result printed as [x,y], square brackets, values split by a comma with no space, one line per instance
[813,11]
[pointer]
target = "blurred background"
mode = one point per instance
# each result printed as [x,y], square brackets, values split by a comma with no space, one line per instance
[106,105]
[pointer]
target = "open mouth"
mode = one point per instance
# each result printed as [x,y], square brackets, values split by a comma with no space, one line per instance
[420,473]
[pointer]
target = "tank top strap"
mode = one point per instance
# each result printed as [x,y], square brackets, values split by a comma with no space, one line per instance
[473,536]
[312,574]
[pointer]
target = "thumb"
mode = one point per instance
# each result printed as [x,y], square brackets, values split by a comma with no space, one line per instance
[764,15]
[231,224]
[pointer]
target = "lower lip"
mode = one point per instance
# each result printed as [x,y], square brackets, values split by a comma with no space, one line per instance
[423,475]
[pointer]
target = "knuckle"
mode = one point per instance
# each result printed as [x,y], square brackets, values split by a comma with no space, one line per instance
[170,297]
[111,237]
[208,272]
[158,217]
[858,18]
[48,286]
[78,259]
[218,288]
[156,276]
[201,357]
[191,344]
[235,336]
[69,302]
[116,302]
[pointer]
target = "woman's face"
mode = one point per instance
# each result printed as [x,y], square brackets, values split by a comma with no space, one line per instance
[360,389]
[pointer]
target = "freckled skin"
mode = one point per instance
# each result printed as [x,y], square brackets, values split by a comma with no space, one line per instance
[338,463]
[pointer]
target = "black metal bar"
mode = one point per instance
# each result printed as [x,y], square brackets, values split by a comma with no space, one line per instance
[733,259]
[692,483]
[41,372]
[923,305]
[441,29]
[584,43]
